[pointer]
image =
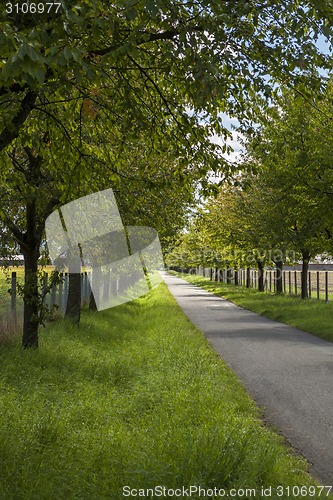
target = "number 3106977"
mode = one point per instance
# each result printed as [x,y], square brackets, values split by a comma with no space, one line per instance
[32,8]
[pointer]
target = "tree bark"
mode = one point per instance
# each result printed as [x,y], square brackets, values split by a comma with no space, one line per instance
[73,307]
[279,275]
[29,244]
[305,272]
[92,302]
[12,130]
[30,298]
[236,277]
[248,277]
[261,285]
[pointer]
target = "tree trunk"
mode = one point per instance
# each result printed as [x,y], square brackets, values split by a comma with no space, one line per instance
[279,275]
[248,277]
[261,285]
[305,273]
[73,306]
[92,302]
[229,276]
[29,244]
[30,238]
[30,298]
[236,277]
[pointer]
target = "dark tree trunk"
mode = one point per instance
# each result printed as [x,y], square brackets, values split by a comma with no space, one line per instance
[37,210]
[279,275]
[261,285]
[236,277]
[73,307]
[248,277]
[30,299]
[29,244]
[305,273]
[229,276]
[92,302]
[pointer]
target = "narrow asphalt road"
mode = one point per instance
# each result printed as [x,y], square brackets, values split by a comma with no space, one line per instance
[288,373]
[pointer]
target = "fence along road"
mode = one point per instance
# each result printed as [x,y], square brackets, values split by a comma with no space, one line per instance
[288,372]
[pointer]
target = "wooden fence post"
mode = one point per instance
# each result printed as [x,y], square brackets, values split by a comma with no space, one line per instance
[318,285]
[13,296]
[65,290]
[45,279]
[53,296]
[284,282]
[248,277]
[289,273]
[61,292]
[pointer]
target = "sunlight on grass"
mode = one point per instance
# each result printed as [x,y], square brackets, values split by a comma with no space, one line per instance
[135,396]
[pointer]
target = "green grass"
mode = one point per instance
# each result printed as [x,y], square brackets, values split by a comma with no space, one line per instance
[309,315]
[136,397]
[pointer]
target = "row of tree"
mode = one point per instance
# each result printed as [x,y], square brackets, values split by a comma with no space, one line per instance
[127,95]
[279,209]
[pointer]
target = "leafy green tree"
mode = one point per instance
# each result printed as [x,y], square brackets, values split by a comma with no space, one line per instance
[140,57]
[36,181]
[95,71]
[287,154]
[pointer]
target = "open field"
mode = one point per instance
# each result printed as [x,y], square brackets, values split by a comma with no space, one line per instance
[134,397]
[309,315]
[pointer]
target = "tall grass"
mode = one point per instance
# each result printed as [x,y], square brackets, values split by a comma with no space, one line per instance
[134,397]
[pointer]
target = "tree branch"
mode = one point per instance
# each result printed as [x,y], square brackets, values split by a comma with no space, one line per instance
[10,132]
[15,88]
[145,38]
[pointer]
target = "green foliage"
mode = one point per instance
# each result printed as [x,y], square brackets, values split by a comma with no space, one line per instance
[291,187]
[136,397]
[84,88]
[150,65]
[282,201]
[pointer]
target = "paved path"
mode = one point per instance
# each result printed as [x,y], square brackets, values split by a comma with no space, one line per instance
[289,373]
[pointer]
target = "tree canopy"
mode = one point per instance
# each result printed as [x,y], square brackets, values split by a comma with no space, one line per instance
[128,94]
[152,63]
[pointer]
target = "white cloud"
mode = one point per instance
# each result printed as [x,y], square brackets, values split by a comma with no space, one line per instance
[234,141]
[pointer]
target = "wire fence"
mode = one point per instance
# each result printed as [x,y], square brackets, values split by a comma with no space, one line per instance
[320,283]
[55,298]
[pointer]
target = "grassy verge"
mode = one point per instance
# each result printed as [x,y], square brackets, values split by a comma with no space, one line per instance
[309,315]
[134,397]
